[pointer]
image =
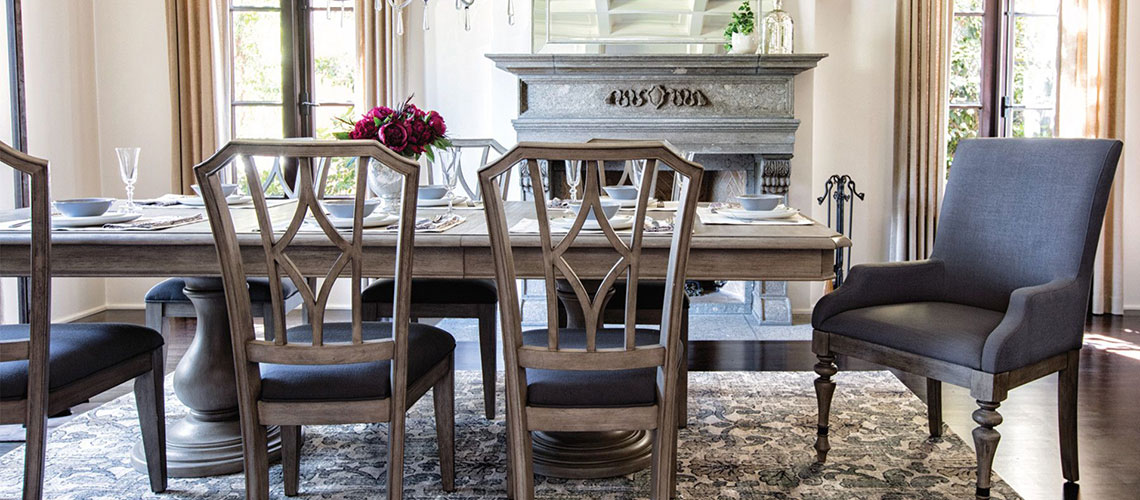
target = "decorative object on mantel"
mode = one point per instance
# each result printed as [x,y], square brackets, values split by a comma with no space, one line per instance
[778,31]
[839,193]
[741,32]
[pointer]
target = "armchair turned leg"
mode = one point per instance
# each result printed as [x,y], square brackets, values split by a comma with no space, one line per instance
[934,407]
[824,390]
[291,443]
[1067,417]
[986,442]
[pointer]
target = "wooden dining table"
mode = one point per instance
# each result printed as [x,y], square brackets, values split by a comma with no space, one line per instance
[207,441]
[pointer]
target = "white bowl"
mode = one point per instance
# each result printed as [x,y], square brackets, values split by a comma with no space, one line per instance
[343,209]
[609,209]
[758,202]
[621,192]
[227,189]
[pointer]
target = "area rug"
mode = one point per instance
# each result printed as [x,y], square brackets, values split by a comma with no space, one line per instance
[750,436]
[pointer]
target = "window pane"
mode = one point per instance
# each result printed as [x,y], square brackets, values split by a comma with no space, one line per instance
[257,56]
[1033,122]
[1035,61]
[341,180]
[325,120]
[334,55]
[265,166]
[1034,6]
[963,124]
[966,60]
[258,122]
[256,3]
[968,5]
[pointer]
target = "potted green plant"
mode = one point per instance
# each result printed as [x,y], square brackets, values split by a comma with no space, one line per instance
[740,30]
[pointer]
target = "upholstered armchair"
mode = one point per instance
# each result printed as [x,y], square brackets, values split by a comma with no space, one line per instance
[1003,297]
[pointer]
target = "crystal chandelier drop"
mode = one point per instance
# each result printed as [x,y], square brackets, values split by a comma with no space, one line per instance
[464,5]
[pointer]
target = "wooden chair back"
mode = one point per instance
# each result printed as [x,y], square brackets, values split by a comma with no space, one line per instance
[556,266]
[484,148]
[35,349]
[276,242]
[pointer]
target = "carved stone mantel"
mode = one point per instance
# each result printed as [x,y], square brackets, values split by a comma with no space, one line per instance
[735,113]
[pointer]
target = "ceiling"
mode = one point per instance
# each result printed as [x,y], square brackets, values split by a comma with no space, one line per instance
[637,21]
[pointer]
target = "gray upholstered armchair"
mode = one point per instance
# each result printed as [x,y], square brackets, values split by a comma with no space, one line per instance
[1001,301]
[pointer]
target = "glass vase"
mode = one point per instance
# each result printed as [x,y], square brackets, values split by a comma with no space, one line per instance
[778,30]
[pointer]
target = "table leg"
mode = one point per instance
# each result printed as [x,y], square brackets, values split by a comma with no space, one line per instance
[207,441]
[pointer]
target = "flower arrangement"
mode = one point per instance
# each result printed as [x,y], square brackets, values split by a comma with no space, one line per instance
[408,131]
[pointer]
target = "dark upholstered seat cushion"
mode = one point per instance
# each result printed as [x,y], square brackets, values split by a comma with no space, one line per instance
[650,296]
[591,389]
[939,330]
[427,346]
[170,290]
[76,351]
[436,291]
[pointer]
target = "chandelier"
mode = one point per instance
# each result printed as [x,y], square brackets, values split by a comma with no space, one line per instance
[464,5]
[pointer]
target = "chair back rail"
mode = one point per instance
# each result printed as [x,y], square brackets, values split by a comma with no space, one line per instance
[592,157]
[35,349]
[276,241]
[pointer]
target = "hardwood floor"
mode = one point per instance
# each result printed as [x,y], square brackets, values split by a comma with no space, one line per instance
[1028,456]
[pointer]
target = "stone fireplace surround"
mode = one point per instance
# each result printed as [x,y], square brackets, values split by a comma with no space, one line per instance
[733,113]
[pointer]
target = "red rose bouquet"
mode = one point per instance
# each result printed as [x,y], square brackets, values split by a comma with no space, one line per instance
[408,131]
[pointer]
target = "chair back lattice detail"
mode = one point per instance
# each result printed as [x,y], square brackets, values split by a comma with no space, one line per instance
[484,147]
[556,266]
[275,243]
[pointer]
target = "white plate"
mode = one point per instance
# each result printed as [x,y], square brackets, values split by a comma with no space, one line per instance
[442,202]
[629,203]
[378,219]
[98,220]
[752,215]
[197,201]
[619,222]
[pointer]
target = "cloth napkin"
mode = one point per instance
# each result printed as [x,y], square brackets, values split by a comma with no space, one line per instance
[437,224]
[156,223]
[710,216]
[165,200]
[652,226]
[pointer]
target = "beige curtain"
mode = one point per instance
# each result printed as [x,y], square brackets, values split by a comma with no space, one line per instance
[191,87]
[921,66]
[380,54]
[1090,103]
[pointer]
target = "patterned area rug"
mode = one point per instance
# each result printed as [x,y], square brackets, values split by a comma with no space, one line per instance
[750,437]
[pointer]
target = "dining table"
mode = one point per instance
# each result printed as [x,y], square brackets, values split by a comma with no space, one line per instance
[207,440]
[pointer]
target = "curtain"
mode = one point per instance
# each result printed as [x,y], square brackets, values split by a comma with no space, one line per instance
[380,53]
[921,68]
[1090,103]
[190,42]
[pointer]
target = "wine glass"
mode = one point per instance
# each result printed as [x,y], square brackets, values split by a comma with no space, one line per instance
[573,177]
[450,163]
[129,171]
[385,183]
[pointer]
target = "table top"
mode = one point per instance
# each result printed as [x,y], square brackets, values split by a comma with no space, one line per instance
[459,252]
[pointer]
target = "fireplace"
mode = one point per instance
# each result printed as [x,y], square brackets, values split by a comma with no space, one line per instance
[734,113]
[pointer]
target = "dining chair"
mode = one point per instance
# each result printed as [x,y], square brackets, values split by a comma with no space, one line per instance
[1002,299]
[46,368]
[452,297]
[168,299]
[591,379]
[326,373]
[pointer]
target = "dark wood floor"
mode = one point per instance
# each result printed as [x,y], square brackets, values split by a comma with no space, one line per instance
[1028,456]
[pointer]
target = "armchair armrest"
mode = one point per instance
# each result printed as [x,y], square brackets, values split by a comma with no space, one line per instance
[1041,321]
[880,284]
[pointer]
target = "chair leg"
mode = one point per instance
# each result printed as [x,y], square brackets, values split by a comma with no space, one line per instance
[520,469]
[268,322]
[664,473]
[683,378]
[396,429]
[36,442]
[934,407]
[369,311]
[291,442]
[487,357]
[824,390]
[985,443]
[443,394]
[1067,417]
[255,451]
[149,397]
[154,321]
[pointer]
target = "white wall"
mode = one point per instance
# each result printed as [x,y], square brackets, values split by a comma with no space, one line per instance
[59,65]
[1131,166]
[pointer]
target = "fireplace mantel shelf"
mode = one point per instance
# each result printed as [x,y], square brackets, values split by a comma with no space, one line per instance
[683,64]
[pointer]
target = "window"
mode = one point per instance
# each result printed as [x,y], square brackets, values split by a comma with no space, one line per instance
[293,69]
[1003,69]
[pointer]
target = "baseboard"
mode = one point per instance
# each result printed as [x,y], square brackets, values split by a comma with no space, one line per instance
[130,306]
[1132,311]
[80,315]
